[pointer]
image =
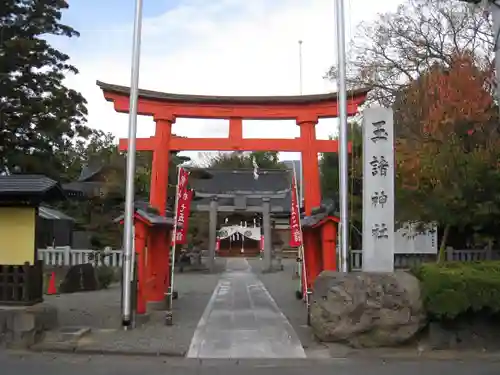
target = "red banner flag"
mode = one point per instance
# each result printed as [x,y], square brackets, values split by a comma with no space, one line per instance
[182,183]
[183,201]
[183,209]
[295,232]
[261,243]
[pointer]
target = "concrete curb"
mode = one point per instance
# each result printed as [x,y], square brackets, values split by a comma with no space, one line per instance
[360,356]
[103,351]
[431,355]
[392,354]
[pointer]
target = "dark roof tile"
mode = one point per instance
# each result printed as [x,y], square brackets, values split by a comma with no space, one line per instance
[320,213]
[52,214]
[26,183]
[88,172]
[144,209]
[242,180]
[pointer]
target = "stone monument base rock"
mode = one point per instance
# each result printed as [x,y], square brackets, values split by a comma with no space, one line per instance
[366,309]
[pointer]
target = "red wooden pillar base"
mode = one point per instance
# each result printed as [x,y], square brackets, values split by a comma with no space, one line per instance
[140,249]
[312,256]
[328,246]
[159,261]
[154,259]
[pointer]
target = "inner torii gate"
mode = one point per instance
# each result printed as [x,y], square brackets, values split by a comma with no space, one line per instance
[305,109]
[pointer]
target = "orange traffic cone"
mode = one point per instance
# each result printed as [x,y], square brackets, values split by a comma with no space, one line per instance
[52,284]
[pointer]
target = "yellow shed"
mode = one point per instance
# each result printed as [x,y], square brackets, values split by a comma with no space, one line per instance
[21,273]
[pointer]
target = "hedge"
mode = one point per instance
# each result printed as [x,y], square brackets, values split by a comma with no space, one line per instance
[455,288]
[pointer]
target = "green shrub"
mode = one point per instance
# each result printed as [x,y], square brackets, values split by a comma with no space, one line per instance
[455,288]
[105,276]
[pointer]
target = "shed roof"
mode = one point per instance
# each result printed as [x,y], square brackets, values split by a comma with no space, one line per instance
[29,187]
[53,214]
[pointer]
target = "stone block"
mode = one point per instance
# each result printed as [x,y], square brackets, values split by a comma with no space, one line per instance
[365,309]
[23,322]
[22,327]
[80,278]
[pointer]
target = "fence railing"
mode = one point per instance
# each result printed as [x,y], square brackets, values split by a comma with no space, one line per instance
[66,256]
[402,261]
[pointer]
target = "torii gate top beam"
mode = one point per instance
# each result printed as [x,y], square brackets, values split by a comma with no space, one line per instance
[301,107]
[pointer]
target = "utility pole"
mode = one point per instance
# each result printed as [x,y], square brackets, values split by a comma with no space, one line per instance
[495,15]
[493,6]
[300,67]
[128,235]
[343,136]
[301,170]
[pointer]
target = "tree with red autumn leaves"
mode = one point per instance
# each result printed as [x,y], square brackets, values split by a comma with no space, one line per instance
[448,148]
[413,58]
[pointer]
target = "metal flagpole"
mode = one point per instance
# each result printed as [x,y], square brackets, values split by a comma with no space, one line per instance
[343,149]
[303,272]
[133,282]
[174,242]
[300,66]
[301,171]
[494,7]
[128,236]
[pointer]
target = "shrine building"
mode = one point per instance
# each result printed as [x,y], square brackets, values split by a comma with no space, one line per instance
[238,199]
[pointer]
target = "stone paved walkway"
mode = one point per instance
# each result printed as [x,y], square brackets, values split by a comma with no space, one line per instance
[242,320]
[282,286]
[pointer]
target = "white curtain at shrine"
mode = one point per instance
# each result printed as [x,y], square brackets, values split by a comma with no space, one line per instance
[252,233]
[228,231]
[235,232]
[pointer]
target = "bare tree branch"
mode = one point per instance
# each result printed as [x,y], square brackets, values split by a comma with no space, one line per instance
[389,53]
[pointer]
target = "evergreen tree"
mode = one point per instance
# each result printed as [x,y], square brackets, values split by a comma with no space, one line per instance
[39,116]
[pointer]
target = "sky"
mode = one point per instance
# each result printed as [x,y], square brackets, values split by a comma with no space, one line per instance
[211,47]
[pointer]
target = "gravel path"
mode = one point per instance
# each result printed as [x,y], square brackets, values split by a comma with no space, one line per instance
[100,311]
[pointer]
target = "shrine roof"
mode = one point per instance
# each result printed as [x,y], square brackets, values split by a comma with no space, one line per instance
[213,99]
[227,184]
[90,171]
[242,181]
[144,210]
[320,214]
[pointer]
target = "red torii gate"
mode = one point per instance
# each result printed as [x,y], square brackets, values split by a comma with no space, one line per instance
[305,109]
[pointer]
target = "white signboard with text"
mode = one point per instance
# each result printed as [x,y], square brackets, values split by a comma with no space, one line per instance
[413,240]
[378,190]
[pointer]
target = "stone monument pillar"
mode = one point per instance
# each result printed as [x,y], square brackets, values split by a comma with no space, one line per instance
[378,190]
